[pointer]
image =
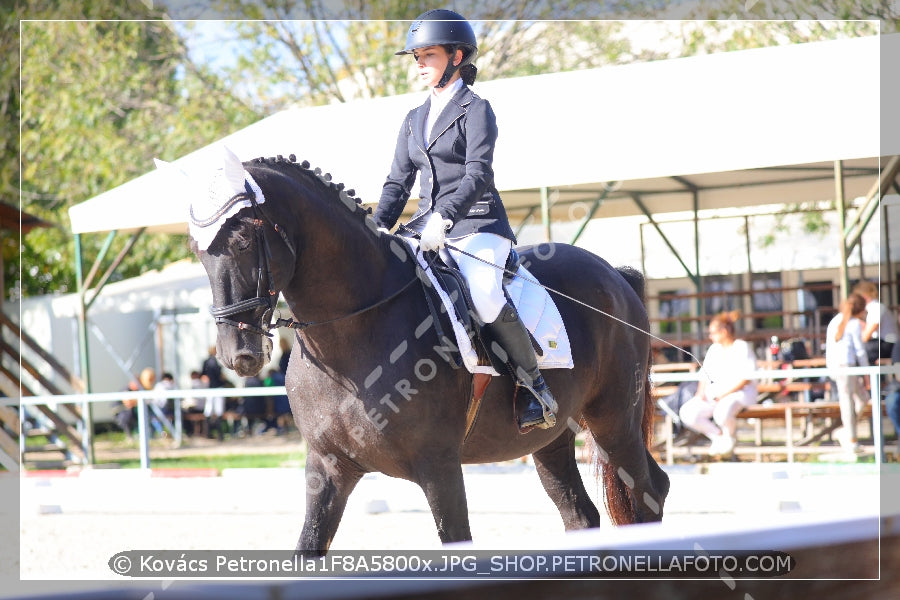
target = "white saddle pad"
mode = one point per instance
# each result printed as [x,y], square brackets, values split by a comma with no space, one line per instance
[536,309]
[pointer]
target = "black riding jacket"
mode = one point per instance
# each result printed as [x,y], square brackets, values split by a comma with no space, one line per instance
[456,173]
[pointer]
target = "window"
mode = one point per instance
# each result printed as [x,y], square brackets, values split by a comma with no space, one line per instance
[724,301]
[676,308]
[767,300]
[818,296]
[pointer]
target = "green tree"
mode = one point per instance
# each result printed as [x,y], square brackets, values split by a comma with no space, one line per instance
[785,14]
[310,52]
[99,100]
[9,134]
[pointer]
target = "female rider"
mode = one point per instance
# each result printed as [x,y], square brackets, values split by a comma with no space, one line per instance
[449,141]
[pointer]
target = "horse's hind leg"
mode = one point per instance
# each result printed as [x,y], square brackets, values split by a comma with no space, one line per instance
[445,491]
[328,485]
[558,471]
[636,487]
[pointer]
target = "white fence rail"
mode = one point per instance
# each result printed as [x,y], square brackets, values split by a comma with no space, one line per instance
[875,374]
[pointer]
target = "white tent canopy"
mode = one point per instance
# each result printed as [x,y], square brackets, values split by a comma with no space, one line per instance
[705,115]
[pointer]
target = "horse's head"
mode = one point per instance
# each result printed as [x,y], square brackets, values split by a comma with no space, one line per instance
[236,239]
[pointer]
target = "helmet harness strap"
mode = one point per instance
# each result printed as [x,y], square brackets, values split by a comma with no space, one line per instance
[451,68]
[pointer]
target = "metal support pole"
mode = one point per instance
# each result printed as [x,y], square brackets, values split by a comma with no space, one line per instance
[643,249]
[593,210]
[143,433]
[750,271]
[877,434]
[698,280]
[842,220]
[545,213]
[525,221]
[886,254]
[107,244]
[84,360]
[643,207]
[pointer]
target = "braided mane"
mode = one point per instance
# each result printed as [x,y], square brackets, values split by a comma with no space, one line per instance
[337,191]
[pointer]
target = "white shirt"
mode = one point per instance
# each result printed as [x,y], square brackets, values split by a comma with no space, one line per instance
[847,351]
[728,365]
[439,101]
[887,324]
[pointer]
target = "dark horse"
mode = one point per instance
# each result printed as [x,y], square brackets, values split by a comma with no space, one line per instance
[369,384]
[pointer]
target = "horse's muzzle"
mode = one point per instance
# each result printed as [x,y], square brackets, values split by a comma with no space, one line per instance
[248,365]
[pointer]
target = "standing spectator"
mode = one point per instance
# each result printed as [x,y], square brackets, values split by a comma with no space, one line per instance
[880,331]
[844,348]
[254,407]
[281,407]
[892,405]
[726,388]
[211,375]
[285,345]
[212,369]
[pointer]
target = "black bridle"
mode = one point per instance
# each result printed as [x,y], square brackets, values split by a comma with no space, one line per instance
[266,295]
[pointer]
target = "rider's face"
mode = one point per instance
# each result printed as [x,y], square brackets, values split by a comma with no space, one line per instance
[432,61]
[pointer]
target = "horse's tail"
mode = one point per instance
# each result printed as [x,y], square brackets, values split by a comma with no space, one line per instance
[619,503]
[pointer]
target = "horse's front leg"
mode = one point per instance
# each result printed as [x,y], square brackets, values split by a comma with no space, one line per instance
[329,482]
[559,474]
[445,490]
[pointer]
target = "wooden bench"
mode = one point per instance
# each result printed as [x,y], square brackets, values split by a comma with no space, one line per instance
[198,422]
[788,412]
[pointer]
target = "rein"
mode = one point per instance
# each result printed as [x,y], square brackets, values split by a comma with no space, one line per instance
[267,297]
[294,324]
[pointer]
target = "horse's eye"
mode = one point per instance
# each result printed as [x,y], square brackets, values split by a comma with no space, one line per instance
[243,240]
[243,244]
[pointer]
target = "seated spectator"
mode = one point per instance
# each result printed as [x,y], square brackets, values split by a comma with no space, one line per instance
[126,411]
[195,406]
[164,405]
[724,388]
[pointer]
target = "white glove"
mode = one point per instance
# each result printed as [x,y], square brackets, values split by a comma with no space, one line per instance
[432,237]
[383,230]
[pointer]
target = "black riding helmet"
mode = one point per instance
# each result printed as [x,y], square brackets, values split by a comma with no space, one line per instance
[442,28]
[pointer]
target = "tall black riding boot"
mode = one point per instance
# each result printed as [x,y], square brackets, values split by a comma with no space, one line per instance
[536,406]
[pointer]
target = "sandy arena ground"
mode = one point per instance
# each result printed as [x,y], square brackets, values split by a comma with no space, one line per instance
[71,526]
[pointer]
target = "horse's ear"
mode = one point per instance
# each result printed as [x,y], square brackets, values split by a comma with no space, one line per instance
[234,171]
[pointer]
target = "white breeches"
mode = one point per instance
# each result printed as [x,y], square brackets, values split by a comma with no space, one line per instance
[215,407]
[712,418]
[485,281]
